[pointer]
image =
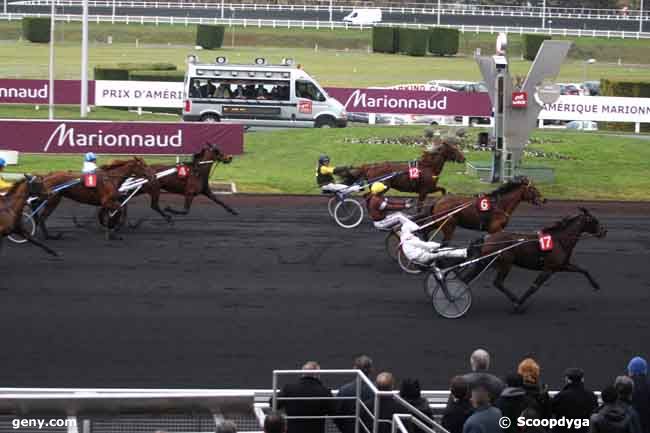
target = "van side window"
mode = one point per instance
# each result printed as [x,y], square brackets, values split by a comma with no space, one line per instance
[307,90]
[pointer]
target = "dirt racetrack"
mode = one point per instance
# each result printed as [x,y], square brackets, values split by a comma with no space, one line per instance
[220,301]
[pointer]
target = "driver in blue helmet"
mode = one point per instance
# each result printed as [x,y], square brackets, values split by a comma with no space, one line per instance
[90,163]
[4,185]
[325,176]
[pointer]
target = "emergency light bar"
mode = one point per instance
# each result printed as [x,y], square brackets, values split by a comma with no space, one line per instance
[260,61]
[191,59]
[222,60]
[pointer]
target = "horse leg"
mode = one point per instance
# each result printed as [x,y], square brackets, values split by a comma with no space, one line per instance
[448,230]
[209,194]
[22,232]
[439,188]
[41,218]
[422,196]
[188,205]
[539,281]
[499,280]
[575,268]
[156,207]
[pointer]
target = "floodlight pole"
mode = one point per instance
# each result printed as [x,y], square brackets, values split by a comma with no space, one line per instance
[641,17]
[544,14]
[222,7]
[84,61]
[330,11]
[51,64]
[438,19]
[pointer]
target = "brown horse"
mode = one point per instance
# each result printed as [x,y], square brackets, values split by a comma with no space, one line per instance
[502,203]
[565,234]
[197,182]
[104,195]
[430,167]
[12,205]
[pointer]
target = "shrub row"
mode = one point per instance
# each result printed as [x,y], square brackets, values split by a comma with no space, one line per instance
[209,37]
[415,42]
[124,71]
[36,29]
[531,45]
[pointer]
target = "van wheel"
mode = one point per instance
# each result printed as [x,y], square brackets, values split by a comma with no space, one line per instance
[325,122]
[434,123]
[210,118]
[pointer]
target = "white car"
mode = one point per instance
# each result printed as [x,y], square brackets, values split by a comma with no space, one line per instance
[582,125]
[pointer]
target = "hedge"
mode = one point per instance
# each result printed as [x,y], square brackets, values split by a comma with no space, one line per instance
[637,89]
[36,29]
[157,76]
[384,40]
[413,41]
[444,42]
[123,70]
[209,37]
[531,44]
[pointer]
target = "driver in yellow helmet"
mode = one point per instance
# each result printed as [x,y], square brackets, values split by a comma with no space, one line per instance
[4,185]
[380,207]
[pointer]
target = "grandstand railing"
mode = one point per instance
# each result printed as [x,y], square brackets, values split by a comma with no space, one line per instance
[386,7]
[289,24]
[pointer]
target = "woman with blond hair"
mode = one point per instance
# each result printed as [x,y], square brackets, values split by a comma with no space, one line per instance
[537,397]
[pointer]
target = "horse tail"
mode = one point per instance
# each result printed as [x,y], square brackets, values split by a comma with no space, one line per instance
[474,250]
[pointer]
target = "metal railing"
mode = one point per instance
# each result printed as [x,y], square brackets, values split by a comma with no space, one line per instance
[361,410]
[386,7]
[331,25]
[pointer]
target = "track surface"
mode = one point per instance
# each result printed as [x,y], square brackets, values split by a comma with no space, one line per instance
[220,301]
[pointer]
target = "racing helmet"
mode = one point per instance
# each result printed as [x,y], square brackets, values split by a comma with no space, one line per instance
[2,162]
[378,188]
[90,157]
[323,159]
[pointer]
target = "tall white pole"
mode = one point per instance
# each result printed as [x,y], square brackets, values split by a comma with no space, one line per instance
[84,61]
[113,11]
[544,14]
[438,20]
[5,7]
[330,11]
[51,65]
[641,17]
[222,7]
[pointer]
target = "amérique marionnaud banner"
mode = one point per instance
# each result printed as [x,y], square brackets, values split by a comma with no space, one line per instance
[391,101]
[138,138]
[38,92]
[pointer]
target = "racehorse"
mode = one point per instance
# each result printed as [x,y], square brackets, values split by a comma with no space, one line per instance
[196,181]
[12,205]
[564,235]
[104,195]
[429,166]
[499,207]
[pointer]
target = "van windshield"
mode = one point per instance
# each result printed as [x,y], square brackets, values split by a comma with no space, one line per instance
[308,90]
[215,88]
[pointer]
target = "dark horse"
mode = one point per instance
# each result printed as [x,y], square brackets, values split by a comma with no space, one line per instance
[502,203]
[197,182]
[430,166]
[565,234]
[13,203]
[104,195]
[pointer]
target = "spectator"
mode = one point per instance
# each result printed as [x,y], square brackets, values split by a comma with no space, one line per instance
[512,401]
[637,369]
[625,389]
[459,408]
[226,427]
[223,91]
[348,407]
[309,385]
[536,395]
[485,418]
[411,392]
[480,362]
[611,416]
[574,401]
[387,404]
[530,413]
[275,422]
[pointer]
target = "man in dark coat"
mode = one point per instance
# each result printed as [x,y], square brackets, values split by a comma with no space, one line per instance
[574,401]
[486,418]
[637,369]
[611,417]
[387,404]
[512,401]
[348,407]
[308,386]
[459,407]
[480,363]
[625,389]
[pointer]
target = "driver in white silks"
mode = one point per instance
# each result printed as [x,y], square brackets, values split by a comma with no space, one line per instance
[422,252]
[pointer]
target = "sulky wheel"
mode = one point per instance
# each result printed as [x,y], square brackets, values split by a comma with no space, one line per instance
[348,213]
[406,264]
[28,225]
[392,243]
[115,222]
[331,205]
[452,302]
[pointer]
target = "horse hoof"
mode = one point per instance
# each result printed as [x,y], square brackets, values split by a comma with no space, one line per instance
[519,308]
